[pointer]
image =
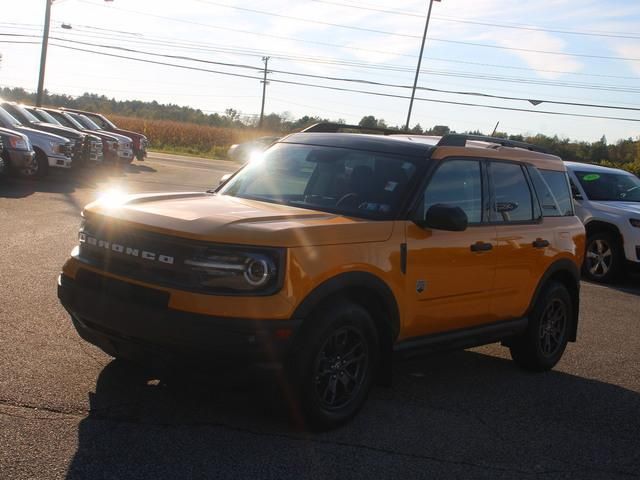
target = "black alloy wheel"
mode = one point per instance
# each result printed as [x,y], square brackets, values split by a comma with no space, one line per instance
[552,327]
[542,344]
[340,368]
[333,362]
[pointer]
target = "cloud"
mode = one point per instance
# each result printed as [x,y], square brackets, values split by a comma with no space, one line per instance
[541,41]
[629,51]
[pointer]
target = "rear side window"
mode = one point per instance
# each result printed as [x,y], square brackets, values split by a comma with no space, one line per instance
[512,196]
[456,183]
[553,192]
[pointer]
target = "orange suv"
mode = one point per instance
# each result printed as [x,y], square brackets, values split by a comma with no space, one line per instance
[330,252]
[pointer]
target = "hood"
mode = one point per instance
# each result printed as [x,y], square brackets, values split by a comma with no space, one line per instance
[618,208]
[128,133]
[58,130]
[225,219]
[120,138]
[32,133]
[100,134]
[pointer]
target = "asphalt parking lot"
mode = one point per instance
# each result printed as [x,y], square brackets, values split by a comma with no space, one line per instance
[67,410]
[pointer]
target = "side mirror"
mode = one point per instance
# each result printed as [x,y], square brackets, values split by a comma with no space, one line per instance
[224,178]
[445,217]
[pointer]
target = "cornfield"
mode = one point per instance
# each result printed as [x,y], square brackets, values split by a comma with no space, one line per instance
[187,137]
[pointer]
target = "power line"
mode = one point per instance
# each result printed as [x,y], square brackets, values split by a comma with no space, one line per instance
[352,80]
[349,47]
[360,6]
[383,32]
[342,89]
[444,73]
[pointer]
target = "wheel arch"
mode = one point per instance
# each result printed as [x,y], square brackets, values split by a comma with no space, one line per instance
[567,273]
[596,226]
[370,292]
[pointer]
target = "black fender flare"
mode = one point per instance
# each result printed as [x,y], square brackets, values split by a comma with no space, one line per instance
[563,270]
[342,283]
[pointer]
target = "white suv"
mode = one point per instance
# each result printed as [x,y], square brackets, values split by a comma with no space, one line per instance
[607,200]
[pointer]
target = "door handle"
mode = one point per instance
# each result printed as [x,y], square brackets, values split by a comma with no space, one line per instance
[481,247]
[540,243]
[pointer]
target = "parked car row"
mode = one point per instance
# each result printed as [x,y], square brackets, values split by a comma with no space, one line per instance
[36,139]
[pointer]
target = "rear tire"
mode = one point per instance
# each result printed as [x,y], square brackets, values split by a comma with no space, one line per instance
[541,346]
[333,365]
[604,258]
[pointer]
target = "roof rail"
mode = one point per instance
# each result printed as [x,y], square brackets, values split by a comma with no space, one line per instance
[331,127]
[460,140]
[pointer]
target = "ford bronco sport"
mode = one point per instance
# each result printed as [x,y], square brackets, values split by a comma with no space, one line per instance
[332,251]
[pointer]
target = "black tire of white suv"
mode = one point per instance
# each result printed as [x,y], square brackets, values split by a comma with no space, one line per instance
[543,343]
[604,258]
[333,364]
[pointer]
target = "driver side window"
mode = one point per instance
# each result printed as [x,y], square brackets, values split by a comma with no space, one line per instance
[456,183]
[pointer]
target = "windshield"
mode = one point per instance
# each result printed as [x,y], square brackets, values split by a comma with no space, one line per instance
[99,120]
[340,180]
[67,120]
[84,121]
[25,115]
[45,117]
[8,120]
[610,187]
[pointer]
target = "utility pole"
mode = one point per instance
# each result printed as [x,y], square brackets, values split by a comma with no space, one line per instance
[415,81]
[264,89]
[43,54]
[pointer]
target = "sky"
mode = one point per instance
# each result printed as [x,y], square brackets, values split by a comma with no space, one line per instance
[576,51]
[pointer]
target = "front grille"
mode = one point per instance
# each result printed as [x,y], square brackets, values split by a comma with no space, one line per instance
[140,255]
[76,148]
[116,247]
[95,150]
[66,149]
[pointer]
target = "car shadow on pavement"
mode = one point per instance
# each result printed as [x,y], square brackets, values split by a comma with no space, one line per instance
[137,168]
[629,284]
[463,414]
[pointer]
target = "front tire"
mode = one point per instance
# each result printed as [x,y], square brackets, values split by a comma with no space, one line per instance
[604,258]
[39,167]
[545,340]
[334,363]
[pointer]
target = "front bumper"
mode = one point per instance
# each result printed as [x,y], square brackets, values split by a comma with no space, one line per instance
[21,158]
[132,321]
[59,161]
[125,154]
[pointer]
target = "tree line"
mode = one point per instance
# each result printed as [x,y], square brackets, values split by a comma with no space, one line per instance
[624,153]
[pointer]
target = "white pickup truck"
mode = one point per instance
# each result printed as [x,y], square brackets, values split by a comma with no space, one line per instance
[607,200]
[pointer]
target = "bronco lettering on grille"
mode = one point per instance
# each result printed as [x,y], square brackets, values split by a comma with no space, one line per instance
[125,250]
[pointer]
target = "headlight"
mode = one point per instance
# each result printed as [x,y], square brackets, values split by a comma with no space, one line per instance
[19,143]
[635,222]
[55,147]
[238,271]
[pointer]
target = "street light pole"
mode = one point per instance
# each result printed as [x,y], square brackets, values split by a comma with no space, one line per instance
[43,54]
[415,81]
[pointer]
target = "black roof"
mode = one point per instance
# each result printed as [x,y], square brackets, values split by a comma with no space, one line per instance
[359,141]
